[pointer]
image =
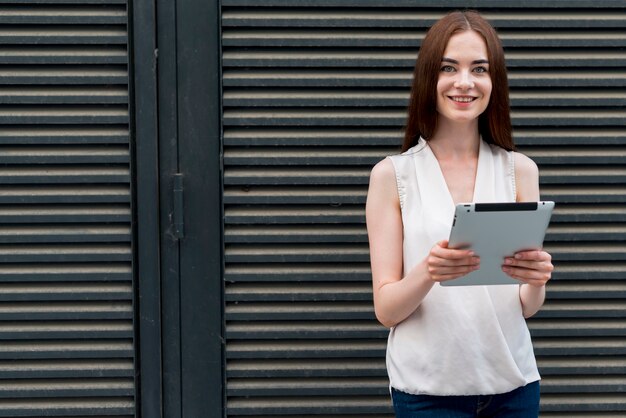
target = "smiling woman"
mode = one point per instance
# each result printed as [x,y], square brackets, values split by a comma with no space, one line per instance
[495,121]
[464,86]
[454,351]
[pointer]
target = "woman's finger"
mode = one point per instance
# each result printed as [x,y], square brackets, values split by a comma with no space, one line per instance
[433,260]
[442,251]
[534,255]
[531,276]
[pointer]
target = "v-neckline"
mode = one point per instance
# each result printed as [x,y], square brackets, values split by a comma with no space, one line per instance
[442,178]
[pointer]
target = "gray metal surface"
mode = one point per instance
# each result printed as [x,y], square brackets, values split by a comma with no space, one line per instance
[314,95]
[66,279]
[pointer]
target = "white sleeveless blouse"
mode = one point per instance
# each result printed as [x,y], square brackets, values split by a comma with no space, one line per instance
[466,340]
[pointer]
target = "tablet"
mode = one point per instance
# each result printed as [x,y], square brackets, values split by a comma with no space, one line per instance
[494,231]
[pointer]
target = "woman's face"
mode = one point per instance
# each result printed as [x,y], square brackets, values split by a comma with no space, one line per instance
[464,84]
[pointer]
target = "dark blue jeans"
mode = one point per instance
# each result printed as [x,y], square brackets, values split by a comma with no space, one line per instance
[522,402]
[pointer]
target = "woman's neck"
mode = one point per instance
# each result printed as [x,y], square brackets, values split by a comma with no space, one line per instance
[456,140]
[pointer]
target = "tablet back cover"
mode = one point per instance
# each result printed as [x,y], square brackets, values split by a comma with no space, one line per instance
[494,231]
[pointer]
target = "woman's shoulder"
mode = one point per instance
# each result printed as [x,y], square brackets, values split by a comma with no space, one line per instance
[526,178]
[524,166]
[383,170]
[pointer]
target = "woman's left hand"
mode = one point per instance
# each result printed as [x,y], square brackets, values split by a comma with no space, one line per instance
[532,267]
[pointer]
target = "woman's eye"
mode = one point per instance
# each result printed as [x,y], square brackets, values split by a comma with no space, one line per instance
[447,69]
[480,70]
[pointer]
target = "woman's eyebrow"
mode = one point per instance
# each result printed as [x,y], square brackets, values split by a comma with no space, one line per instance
[453,61]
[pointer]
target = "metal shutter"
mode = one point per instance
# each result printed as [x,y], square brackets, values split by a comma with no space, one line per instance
[66,283]
[314,95]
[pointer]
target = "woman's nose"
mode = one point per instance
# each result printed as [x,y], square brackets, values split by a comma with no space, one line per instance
[464,80]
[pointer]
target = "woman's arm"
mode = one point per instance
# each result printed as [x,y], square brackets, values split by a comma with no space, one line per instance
[397,297]
[534,268]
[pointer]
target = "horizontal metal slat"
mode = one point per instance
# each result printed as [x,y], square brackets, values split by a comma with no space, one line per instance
[269,368]
[570,346]
[64,154]
[327,214]
[302,387]
[302,156]
[297,215]
[63,95]
[54,174]
[271,406]
[34,253]
[292,349]
[275,175]
[586,232]
[74,272]
[589,213]
[585,194]
[596,402]
[437,4]
[64,75]
[65,330]
[578,327]
[64,134]
[581,365]
[62,55]
[280,136]
[590,289]
[314,292]
[59,311]
[63,114]
[313,310]
[67,233]
[65,214]
[61,291]
[301,272]
[81,2]
[81,194]
[306,330]
[399,38]
[294,234]
[399,15]
[75,388]
[62,14]
[66,358]
[582,309]
[69,34]
[583,385]
[67,406]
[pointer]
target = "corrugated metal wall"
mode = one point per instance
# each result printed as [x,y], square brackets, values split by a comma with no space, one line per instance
[66,291]
[314,95]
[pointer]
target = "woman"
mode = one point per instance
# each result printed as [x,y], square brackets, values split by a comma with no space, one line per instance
[460,351]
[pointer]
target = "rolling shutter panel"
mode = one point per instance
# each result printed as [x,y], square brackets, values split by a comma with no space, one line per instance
[315,95]
[66,287]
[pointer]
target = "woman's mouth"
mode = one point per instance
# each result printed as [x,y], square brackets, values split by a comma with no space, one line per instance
[462,99]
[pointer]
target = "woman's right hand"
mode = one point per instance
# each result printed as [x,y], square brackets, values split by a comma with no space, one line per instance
[445,263]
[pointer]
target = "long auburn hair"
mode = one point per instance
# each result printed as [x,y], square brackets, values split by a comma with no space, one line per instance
[494,124]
